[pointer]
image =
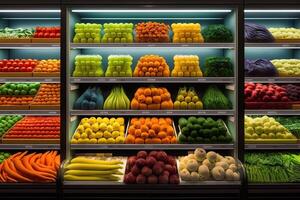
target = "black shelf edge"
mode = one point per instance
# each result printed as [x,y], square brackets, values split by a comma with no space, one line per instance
[150,146]
[273,79]
[152,79]
[272,146]
[30,79]
[134,45]
[30,146]
[272,112]
[30,112]
[151,112]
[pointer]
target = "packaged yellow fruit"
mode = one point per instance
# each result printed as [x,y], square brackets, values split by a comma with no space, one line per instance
[111,141]
[99,120]
[120,120]
[95,127]
[102,141]
[187,66]
[116,126]
[107,134]
[99,134]
[120,140]
[86,125]
[93,141]
[74,141]
[106,120]
[84,120]
[115,134]
[103,126]
[80,128]
[110,128]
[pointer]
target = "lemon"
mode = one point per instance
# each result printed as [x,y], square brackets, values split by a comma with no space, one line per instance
[95,127]
[86,125]
[84,120]
[102,141]
[112,120]
[103,126]
[120,120]
[180,98]
[77,135]
[99,134]
[107,134]
[83,136]
[93,141]
[110,128]
[191,105]
[88,131]
[115,134]
[176,105]
[116,126]
[92,120]
[99,120]
[120,140]
[74,141]
[183,105]
[93,135]
[195,99]
[86,140]
[122,134]
[111,141]
[188,99]
[122,129]
[199,105]
[105,120]
[80,128]
[80,141]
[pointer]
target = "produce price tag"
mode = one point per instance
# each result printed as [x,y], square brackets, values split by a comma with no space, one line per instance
[208,146]
[202,79]
[151,79]
[169,112]
[104,113]
[272,113]
[28,146]
[48,79]
[201,112]
[145,112]
[52,112]
[77,79]
[112,79]
[100,80]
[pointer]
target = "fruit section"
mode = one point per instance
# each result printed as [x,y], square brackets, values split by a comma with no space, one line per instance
[271,97]
[30,127]
[146,91]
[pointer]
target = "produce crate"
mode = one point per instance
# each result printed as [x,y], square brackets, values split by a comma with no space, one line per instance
[15,40]
[26,141]
[228,132]
[173,125]
[45,74]
[268,105]
[45,40]
[123,158]
[15,74]
[271,141]
[287,40]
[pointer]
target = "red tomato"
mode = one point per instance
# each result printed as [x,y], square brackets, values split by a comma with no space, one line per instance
[14,64]
[17,69]
[29,69]
[26,64]
[23,69]
[52,35]
[20,64]
[40,35]
[46,35]
[1,64]
[11,69]
[57,35]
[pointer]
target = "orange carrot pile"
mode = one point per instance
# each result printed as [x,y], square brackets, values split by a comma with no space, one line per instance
[152,32]
[33,167]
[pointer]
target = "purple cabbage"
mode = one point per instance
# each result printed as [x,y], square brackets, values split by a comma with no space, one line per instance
[257,33]
[260,68]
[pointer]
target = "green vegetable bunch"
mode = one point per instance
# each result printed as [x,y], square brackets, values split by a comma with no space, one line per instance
[4,156]
[12,33]
[217,33]
[214,98]
[218,67]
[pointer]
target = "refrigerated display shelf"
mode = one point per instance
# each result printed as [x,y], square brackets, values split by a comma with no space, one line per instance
[101,45]
[28,45]
[30,112]
[276,45]
[152,79]
[151,112]
[30,79]
[272,112]
[272,146]
[151,146]
[29,146]
[273,79]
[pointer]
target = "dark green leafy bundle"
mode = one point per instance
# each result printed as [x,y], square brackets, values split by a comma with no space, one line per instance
[272,167]
[214,98]
[218,67]
[292,123]
[217,33]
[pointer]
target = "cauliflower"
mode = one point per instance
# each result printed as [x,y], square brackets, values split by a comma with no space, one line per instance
[200,154]
[203,172]
[192,165]
[211,156]
[185,175]
[208,164]
[218,173]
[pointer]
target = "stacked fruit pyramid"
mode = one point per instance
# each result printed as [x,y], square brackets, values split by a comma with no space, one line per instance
[152,32]
[88,65]
[87,33]
[151,131]
[187,33]
[119,65]
[7,121]
[118,33]
[151,65]
[91,99]
[99,167]
[188,99]
[117,100]
[48,94]
[100,130]
[151,168]
[186,66]
[152,98]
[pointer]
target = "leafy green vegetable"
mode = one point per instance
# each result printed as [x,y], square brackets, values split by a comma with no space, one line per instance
[12,33]
[292,123]
[217,33]
[213,98]
[218,67]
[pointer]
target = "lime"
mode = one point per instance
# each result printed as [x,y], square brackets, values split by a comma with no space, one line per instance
[23,92]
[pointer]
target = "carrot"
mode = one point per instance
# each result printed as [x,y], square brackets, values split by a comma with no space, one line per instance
[14,174]
[1,177]
[20,156]
[57,162]
[48,159]
[14,155]
[43,158]
[40,167]
[29,173]
[4,174]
